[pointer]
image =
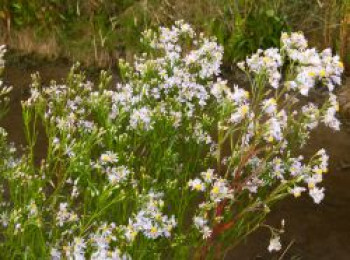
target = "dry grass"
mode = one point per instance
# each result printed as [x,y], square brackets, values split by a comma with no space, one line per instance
[26,41]
[344,99]
[320,19]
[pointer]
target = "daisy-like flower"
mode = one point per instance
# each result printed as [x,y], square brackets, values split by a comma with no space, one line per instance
[108,157]
[202,225]
[296,168]
[240,114]
[63,215]
[117,174]
[220,191]
[266,62]
[239,95]
[274,130]
[269,106]
[55,254]
[317,170]
[323,160]
[296,191]
[141,118]
[317,194]
[206,232]
[313,180]
[208,176]
[295,40]
[253,184]
[79,247]
[150,221]
[275,244]
[196,184]
[278,168]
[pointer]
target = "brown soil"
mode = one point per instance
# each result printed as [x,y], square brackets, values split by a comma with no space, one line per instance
[313,231]
[316,231]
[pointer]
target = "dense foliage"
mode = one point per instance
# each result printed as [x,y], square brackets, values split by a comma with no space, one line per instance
[111,28]
[171,163]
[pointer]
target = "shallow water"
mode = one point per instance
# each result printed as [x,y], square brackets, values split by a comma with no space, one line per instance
[315,231]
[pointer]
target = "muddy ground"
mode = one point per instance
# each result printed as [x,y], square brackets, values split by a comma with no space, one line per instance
[313,231]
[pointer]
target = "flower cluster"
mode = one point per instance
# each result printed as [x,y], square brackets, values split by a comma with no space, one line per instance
[150,221]
[218,188]
[170,161]
[312,66]
[266,62]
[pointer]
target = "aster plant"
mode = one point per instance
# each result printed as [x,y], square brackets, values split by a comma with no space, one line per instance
[171,163]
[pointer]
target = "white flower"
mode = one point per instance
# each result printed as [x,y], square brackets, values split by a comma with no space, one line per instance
[240,114]
[196,184]
[63,215]
[208,175]
[202,225]
[150,221]
[269,106]
[79,247]
[55,254]
[296,191]
[108,157]
[296,168]
[239,95]
[330,119]
[311,114]
[266,62]
[199,222]
[220,191]
[278,168]
[295,40]
[219,88]
[313,180]
[323,160]
[275,244]
[117,175]
[317,194]
[206,232]
[274,130]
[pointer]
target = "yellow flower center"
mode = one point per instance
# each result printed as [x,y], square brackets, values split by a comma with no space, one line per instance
[105,158]
[311,185]
[318,171]
[297,194]
[312,73]
[244,110]
[266,59]
[270,139]
[197,186]
[322,73]
[215,190]
[154,230]
[158,216]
